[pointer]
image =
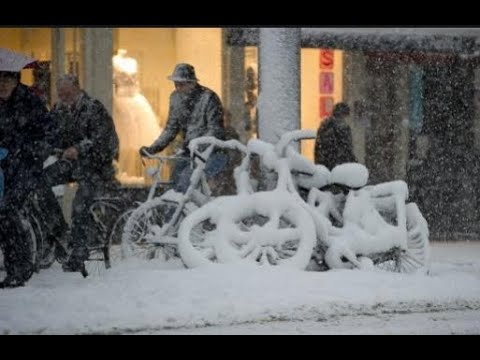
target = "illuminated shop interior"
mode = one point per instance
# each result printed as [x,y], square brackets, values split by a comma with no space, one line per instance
[142,59]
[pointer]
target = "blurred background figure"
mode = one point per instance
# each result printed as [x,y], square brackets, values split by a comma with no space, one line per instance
[333,145]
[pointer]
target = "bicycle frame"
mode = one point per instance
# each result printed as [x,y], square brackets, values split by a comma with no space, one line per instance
[197,178]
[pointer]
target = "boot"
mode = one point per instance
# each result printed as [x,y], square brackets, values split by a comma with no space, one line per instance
[76,261]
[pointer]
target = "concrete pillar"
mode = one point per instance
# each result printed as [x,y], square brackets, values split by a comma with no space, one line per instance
[233,58]
[96,73]
[279,88]
[58,60]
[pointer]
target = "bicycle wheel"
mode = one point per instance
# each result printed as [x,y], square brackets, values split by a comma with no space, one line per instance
[26,232]
[416,257]
[198,233]
[150,231]
[267,229]
[114,249]
[105,249]
[45,250]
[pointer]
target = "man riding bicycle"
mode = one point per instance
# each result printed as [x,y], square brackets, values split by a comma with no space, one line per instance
[195,111]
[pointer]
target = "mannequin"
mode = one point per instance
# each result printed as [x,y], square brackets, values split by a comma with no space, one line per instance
[135,121]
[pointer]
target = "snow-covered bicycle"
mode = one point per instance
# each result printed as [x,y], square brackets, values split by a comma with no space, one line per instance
[368,225]
[359,227]
[268,227]
[151,230]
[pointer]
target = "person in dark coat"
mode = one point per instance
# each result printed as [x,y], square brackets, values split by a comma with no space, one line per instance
[23,133]
[88,142]
[333,144]
[194,111]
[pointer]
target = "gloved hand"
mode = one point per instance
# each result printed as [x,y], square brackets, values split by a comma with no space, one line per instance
[145,151]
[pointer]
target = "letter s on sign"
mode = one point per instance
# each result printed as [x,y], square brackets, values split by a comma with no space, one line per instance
[326,59]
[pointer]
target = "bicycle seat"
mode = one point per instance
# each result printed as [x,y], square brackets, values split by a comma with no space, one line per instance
[307,174]
[350,175]
[318,177]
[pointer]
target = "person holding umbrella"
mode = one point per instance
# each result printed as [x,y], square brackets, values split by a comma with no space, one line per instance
[23,133]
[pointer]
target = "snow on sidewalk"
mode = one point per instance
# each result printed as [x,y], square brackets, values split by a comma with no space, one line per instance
[138,296]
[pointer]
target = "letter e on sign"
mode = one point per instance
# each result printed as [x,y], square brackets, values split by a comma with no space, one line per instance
[326,59]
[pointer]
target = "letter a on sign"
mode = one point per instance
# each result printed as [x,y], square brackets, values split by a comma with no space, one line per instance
[326,83]
[326,59]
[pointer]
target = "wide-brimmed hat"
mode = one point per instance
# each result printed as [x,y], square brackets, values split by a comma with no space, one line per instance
[183,73]
[11,61]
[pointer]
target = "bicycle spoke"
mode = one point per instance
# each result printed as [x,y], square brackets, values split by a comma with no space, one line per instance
[287,235]
[248,249]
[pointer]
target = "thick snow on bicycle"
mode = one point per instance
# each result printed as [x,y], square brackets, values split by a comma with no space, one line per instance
[360,226]
[369,225]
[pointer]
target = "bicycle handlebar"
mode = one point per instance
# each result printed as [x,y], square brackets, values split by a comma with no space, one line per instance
[211,140]
[292,136]
[164,157]
[156,171]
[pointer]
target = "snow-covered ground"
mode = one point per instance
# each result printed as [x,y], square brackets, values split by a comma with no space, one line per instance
[138,297]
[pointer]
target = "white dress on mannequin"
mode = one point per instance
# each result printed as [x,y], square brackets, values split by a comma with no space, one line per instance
[135,121]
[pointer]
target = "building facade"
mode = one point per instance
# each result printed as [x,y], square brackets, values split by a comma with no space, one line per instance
[414,93]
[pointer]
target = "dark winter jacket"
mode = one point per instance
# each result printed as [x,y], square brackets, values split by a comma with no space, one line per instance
[197,114]
[90,129]
[333,145]
[24,129]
